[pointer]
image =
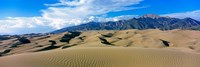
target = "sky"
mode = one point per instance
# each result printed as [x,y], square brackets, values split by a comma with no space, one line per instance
[40,16]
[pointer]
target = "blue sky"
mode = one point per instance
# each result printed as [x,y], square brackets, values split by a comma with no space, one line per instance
[34,16]
[162,7]
[25,8]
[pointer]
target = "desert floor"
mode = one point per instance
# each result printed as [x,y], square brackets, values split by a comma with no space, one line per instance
[126,48]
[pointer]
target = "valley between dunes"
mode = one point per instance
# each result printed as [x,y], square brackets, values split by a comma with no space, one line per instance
[114,48]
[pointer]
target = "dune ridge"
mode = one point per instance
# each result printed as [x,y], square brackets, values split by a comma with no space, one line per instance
[106,48]
[152,38]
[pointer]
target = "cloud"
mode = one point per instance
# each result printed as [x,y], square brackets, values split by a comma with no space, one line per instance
[117,18]
[68,13]
[18,25]
[78,11]
[192,14]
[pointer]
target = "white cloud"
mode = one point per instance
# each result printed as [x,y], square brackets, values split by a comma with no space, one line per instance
[19,25]
[192,14]
[68,13]
[117,18]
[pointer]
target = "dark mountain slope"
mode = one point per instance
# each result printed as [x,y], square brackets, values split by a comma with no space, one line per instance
[148,21]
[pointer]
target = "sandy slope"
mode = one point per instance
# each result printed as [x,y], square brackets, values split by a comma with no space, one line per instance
[125,48]
[125,38]
[104,57]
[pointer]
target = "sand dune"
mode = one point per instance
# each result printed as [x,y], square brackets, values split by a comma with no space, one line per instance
[151,38]
[104,57]
[124,48]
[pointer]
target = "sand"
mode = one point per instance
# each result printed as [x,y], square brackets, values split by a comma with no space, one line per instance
[125,48]
[151,38]
[104,57]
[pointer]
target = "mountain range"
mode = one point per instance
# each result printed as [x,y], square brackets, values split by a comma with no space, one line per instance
[148,21]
